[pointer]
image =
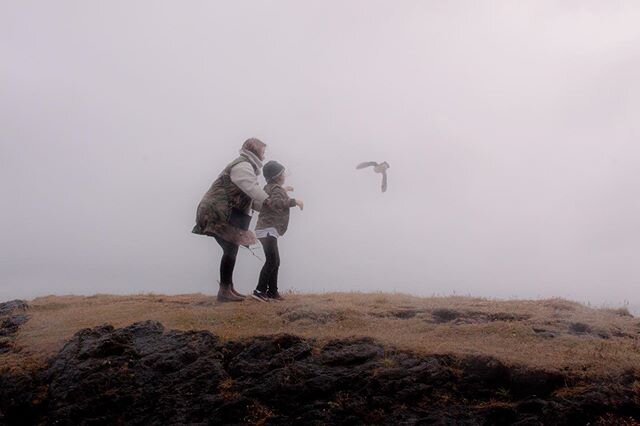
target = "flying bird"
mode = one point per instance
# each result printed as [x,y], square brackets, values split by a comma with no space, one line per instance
[378,168]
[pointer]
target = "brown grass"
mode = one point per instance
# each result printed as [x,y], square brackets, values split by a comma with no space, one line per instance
[545,334]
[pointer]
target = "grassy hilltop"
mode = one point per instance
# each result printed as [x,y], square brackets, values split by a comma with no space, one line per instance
[551,334]
[340,358]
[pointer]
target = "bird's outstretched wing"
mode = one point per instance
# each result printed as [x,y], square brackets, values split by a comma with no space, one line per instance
[366,164]
[384,181]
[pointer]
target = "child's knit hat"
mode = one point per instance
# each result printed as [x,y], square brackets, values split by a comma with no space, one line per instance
[272,170]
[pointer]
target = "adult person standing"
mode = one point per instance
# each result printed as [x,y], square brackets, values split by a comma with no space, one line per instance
[225,211]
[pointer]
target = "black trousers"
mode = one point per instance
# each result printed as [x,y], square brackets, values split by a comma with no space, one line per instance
[228,261]
[268,281]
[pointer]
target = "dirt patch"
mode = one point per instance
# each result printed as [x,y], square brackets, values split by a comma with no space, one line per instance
[315,316]
[403,313]
[446,315]
[580,328]
[475,317]
[507,316]
[543,332]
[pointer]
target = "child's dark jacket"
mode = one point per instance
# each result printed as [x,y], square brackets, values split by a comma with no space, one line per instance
[275,211]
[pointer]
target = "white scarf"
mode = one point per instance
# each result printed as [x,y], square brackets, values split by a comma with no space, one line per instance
[252,158]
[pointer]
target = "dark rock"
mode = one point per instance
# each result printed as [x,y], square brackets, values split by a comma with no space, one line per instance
[143,374]
[533,405]
[134,375]
[10,325]
[529,382]
[12,317]
[484,374]
[12,306]
[21,399]
[499,415]
[264,354]
[6,345]
[350,352]
[432,370]
[528,421]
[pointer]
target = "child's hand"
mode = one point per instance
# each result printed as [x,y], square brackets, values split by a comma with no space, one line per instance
[300,204]
[288,188]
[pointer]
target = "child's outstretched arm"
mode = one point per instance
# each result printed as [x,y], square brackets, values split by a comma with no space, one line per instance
[280,200]
[298,202]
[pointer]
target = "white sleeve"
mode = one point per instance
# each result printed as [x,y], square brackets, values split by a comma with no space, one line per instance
[244,177]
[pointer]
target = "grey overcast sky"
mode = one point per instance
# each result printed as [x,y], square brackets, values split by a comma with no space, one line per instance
[512,131]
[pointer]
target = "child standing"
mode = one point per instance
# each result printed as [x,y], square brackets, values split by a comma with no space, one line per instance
[272,224]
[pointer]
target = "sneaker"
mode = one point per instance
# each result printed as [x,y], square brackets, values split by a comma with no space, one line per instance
[275,296]
[260,296]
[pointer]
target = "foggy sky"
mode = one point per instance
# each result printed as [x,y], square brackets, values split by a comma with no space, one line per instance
[511,129]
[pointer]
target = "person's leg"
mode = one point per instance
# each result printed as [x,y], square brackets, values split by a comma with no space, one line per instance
[227,265]
[265,272]
[274,267]
[228,261]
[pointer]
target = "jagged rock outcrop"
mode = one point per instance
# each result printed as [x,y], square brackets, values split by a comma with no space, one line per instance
[12,316]
[143,374]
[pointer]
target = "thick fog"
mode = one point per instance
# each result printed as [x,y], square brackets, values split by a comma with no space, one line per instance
[511,128]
